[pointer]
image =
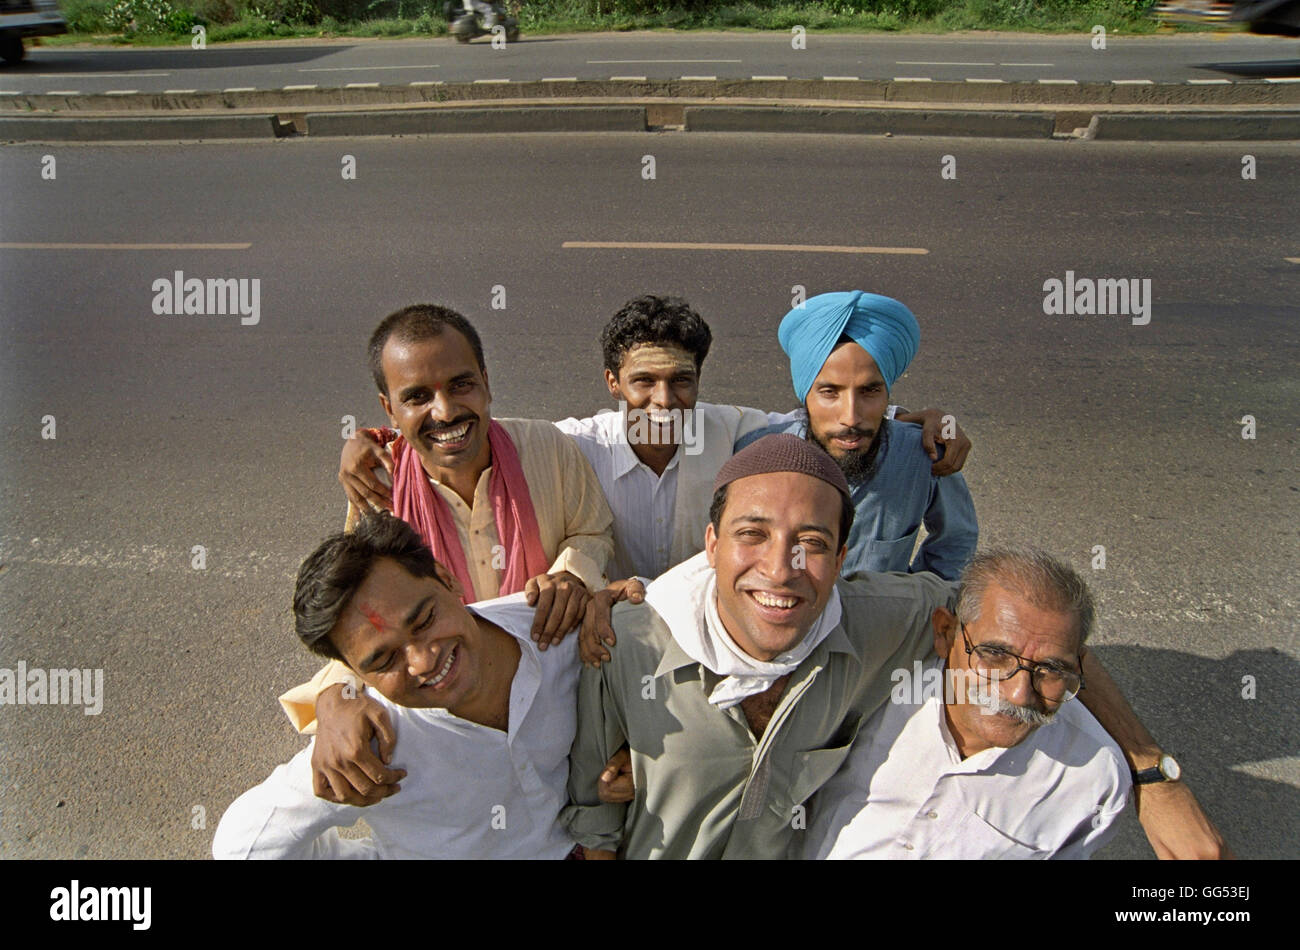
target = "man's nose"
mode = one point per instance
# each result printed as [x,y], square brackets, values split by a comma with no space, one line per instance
[662,395]
[440,407]
[421,658]
[1020,690]
[783,559]
[850,411]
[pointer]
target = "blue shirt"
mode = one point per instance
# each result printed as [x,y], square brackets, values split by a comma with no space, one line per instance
[891,506]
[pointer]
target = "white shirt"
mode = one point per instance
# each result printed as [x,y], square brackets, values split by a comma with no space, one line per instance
[659,520]
[470,791]
[905,791]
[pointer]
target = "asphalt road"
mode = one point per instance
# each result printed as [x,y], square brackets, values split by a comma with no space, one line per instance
[336,63]
[173,432]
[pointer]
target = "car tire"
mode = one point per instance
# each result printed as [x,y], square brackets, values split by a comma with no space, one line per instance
[11,49]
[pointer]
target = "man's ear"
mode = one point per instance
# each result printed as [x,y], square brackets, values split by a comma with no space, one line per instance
[944,622]
[388,408]
[711,544]
[486,385]
[449,580]
[611,381]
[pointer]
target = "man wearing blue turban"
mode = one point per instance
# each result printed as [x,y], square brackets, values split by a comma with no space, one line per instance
[846,352]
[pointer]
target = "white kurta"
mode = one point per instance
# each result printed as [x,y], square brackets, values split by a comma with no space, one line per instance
[659,520]
[905,791]
[470,791]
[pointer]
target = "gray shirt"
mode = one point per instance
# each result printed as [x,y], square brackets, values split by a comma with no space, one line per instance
[705,787]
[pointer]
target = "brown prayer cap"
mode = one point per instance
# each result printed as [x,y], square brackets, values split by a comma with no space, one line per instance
[782,453]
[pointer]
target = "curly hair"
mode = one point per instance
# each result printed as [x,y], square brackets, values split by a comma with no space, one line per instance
[655,320]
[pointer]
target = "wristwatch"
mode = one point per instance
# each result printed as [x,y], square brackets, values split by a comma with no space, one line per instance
[1166,770]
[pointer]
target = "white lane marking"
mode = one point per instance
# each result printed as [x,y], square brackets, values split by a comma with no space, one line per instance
[1059,82]
[487,82]
[1132,82]
[10,92]
[1026,64]
[706,246]
[913,79]
[64,92]
[1292,260]
[122,92]
[1286,79]
[701,78]
[559,79]
[426,82]
[840,79]
[179,92]
[627,79]
[923,62]
[628,62]
[240,89]
[354,69]
[49,246]
[1208,82]
[362,85]
[968,79]
[300,88]
[770,78]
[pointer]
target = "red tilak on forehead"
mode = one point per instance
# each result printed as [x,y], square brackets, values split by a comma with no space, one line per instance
[372,615]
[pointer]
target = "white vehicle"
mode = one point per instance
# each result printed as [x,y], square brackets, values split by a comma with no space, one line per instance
[23,18]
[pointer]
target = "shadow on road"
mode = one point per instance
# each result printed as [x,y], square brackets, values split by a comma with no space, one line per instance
[1196,709]
[56,61]
[1269,69]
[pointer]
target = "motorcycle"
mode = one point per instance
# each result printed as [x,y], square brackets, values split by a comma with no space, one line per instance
[466,24]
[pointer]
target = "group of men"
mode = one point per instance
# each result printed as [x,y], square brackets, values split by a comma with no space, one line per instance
[790,675]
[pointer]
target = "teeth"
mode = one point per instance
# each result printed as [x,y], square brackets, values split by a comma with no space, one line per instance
[442,673]
[661,418]
[767,600]
[453,435]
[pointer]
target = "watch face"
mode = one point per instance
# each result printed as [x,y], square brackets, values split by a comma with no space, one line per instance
[1169,768]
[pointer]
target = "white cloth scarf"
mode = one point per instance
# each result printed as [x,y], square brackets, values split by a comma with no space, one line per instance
[686,599]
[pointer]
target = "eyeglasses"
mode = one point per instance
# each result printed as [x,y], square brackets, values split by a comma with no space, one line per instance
[993,664]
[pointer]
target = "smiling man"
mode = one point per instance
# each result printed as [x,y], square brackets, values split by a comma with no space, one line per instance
[741,681]
[485,719]
[506,505]
[997,764]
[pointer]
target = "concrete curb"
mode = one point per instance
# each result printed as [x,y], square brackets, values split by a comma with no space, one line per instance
[1196,128]
[1170,123]
[1278,95]
[137,128]
[479,120]
[1017,125]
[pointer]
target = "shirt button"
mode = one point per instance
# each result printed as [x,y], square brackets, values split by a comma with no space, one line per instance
[932,814]
[908,847]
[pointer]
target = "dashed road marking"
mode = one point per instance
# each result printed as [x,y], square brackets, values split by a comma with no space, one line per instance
[706,246]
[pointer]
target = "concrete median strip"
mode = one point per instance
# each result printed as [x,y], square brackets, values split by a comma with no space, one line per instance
[1205,110]
[132,128]
[479,120]
[1018,125]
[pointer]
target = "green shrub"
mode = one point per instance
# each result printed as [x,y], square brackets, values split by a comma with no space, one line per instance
[87,16]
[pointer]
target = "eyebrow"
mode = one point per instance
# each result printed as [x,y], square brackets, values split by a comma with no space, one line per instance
[466,376]
[1062,662]
[408,622]
[759,519]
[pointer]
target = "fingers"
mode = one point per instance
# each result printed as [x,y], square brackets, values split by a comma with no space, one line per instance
[531,590]
[545,597]
[635,592]
[384,733]
[928,433]
[574,611]
[589,649]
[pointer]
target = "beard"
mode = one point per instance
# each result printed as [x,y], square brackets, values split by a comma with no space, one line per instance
[860,465]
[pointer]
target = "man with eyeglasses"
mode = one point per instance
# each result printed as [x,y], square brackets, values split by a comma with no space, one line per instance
[985,757]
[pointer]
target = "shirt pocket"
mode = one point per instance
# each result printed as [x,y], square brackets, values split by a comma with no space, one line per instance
[889,555]
[974,838]
[813,769]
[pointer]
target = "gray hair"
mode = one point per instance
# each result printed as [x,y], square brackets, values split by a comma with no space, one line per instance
[1035,575]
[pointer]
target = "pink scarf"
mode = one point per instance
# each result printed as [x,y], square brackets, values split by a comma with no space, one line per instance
[418,504]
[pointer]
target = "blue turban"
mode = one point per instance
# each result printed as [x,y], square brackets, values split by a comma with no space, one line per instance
[880,325]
